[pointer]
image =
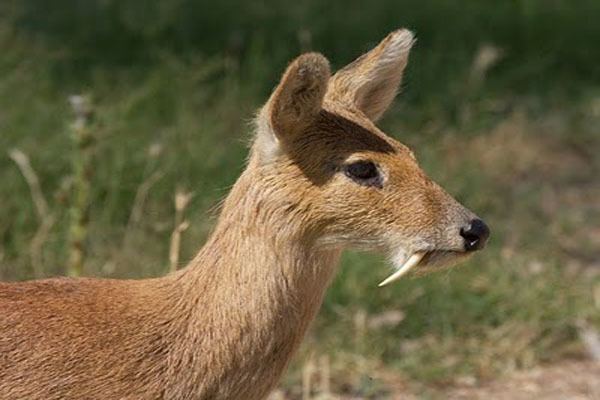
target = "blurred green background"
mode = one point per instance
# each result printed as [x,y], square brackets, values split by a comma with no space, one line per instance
[501,103]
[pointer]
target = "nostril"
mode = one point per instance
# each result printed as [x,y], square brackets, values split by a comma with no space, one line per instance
[475,235]
[471,240]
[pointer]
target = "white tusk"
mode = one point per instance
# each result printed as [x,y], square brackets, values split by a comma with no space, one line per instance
[407,266]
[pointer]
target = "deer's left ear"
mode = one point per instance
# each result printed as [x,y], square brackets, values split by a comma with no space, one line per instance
[371,82]
[294,104]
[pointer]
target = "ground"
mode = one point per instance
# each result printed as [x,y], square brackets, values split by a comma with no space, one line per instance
[572,380]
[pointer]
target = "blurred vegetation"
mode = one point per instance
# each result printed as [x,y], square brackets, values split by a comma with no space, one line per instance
[501,103]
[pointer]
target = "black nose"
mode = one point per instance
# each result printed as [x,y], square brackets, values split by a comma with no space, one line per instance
[476,235]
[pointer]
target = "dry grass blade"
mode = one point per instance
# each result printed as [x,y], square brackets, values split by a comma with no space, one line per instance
[325,375]
[46,219]
[37,245]
[22,161]
[307,374]
[140,197]
[591,340]
[486,57]
[182,200]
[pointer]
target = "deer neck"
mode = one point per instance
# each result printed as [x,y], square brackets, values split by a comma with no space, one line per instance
[256,286]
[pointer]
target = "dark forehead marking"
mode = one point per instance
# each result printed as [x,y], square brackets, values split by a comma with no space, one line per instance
[355,136]
[333,137]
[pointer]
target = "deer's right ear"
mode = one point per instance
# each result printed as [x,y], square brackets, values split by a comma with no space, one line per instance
[370,83]
[295,102]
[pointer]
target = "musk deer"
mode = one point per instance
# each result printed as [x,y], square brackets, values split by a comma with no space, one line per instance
[320,177]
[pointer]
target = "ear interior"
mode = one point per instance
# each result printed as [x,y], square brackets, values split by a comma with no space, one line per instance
[295,102]
[370,83]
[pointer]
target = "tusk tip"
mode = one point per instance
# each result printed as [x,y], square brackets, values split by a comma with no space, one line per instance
[404,269]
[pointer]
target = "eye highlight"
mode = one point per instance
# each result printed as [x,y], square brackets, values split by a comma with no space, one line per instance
[364,173]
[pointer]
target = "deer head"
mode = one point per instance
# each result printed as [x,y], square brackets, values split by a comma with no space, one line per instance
[347,182]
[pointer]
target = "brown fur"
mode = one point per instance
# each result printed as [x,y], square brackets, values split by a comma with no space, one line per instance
[226,326]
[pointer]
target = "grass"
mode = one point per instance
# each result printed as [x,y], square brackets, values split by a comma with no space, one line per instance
[523,156]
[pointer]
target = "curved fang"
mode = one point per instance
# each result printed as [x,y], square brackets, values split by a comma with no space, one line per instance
[407,266]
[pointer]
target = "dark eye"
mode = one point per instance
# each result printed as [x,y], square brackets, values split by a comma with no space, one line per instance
[364,172]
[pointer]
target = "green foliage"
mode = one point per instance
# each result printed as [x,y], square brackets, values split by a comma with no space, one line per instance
[543,41]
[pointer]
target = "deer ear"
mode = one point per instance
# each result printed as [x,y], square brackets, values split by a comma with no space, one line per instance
[371,82]
[295,102]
